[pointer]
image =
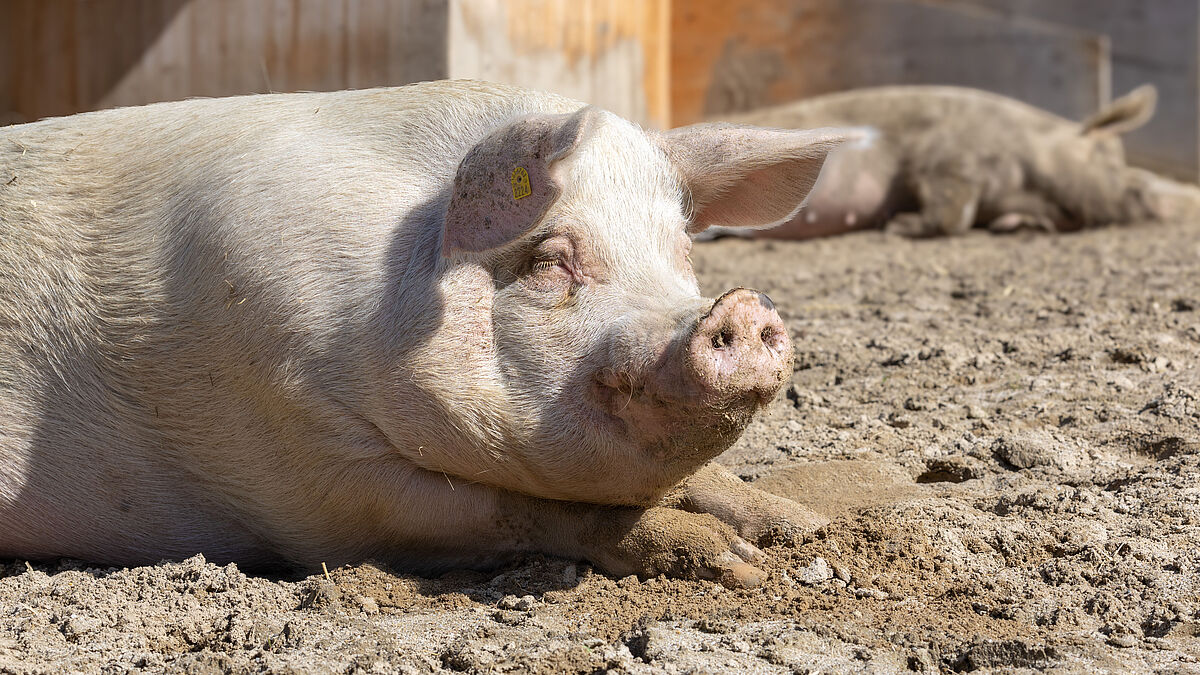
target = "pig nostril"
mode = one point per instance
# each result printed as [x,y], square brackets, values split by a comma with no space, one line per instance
[722,339]
[767,335]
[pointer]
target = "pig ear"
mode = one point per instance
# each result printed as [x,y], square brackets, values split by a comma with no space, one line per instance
[1124,114]
[742,176]
[508,181]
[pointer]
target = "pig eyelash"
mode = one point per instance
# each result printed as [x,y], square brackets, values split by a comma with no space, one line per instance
[540,266]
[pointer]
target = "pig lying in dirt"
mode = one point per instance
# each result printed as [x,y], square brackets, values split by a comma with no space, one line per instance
[438,326]
[945,159]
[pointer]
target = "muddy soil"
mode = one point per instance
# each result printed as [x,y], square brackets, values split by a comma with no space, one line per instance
[1005,431]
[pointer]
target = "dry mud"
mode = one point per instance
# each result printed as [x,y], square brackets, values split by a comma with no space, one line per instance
[1003,429]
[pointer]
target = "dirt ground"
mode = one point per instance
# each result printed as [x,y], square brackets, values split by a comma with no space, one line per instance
[1005,431]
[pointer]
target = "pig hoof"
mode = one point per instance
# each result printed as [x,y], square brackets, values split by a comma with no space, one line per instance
[758,516]
[1012,222]
[910,225]
[739,574]
[687,545]
[777,521]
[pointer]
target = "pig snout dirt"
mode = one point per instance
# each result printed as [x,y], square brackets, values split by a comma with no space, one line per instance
[741,347]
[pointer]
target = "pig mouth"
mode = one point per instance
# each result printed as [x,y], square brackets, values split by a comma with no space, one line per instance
[639,402]
[615,391]
[675,432]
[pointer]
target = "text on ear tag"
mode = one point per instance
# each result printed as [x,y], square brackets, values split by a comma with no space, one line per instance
[520,183]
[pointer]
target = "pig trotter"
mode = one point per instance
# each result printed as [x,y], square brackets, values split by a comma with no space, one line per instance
[1013,222]
[667,541]
[910,225]
[758,516]
[949,203]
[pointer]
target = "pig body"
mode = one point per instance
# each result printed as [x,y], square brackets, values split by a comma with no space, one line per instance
[944,159]
[303,328]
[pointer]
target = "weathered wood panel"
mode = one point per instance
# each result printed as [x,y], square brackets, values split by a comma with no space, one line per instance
[1153,41]
[64,56]
[733,55]
[613,53]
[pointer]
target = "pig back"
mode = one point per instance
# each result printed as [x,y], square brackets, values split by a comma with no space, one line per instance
[899,111]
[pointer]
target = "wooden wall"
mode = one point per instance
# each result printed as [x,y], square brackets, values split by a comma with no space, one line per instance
[734,55]
[1156,41]
[66,56]
[1067,56]
[662,63]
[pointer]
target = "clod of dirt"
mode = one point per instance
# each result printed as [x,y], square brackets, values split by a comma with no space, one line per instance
[817,573]
[321,594]
[1027,450]
[948,470]
[836,487]
[1005,654]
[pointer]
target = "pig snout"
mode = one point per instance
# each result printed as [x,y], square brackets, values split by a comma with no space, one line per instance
[740,348]
[684,387]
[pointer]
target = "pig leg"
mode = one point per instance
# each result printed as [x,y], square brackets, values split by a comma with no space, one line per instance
[760,517]
[658,540]
[474,525]
[1011,222]
[948,202]
[1023,210]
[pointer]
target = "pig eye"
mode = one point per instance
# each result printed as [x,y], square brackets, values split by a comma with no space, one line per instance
[545,263]
[550,271]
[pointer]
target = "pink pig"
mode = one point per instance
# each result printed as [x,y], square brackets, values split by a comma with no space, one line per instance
[437,325]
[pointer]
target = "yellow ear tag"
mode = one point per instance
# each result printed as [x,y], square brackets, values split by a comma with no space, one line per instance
[520,183]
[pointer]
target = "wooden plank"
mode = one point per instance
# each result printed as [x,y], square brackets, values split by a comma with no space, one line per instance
[609,52]
[734,55]
[1154,41]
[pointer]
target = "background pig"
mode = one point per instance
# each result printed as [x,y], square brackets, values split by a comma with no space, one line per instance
[945,159]
[434,325]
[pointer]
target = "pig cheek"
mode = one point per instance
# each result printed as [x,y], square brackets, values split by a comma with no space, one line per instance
[689,275]
[467,307]
[685,264]
[549,287]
